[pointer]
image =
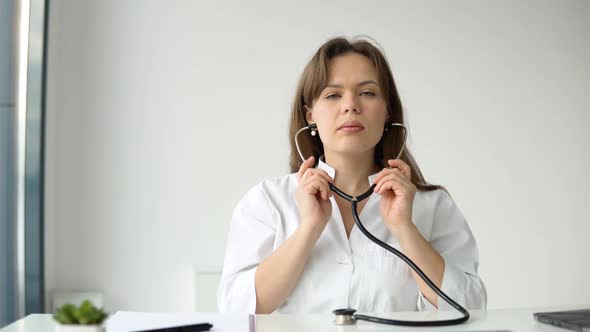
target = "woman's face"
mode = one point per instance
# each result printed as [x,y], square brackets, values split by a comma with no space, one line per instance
[351,111]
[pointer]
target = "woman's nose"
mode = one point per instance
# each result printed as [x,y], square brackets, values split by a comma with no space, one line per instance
[351,105]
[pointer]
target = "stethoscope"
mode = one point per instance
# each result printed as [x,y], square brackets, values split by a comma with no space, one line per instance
[348,316]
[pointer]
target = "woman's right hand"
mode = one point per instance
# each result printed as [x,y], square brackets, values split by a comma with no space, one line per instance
[313,195]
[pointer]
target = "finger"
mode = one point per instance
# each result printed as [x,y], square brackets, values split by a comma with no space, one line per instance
[308,174]
[384,173]
[311,172]
[381,182]
[304,166]
[402,165]
[378,176]
[393,185]
[323,174]
[325,188]
[394,175]
[317,186]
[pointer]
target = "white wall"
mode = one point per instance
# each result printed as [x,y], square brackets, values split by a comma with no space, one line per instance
[161,114]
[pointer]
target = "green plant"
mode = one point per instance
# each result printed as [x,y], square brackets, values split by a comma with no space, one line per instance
[85,314]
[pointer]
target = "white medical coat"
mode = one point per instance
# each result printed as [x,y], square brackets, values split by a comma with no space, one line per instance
[346,272]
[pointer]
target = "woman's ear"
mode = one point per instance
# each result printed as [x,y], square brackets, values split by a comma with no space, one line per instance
[308,116]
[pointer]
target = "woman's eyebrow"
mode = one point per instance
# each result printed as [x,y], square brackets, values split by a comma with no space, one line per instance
[361,83]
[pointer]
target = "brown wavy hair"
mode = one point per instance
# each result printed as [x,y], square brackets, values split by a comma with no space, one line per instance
[315,78]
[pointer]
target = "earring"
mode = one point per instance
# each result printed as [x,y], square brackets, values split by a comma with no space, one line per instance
[313,129]
[313,132]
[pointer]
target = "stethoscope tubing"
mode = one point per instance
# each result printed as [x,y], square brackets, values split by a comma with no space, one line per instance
[354,202]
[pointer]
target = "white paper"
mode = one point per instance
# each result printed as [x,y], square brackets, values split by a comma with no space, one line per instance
[127,321]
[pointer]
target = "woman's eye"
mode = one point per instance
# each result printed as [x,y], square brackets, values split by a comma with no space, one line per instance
[332,96]
[368,93]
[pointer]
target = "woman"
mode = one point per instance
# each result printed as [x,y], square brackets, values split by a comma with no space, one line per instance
[293,246]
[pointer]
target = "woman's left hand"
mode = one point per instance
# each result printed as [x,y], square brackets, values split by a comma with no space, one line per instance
[397,193]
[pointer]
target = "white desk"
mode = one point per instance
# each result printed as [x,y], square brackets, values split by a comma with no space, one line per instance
[517,320]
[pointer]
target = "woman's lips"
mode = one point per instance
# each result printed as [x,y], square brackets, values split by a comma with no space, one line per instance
[351,129]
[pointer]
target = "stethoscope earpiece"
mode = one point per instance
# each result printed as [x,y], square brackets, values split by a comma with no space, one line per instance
[314,127]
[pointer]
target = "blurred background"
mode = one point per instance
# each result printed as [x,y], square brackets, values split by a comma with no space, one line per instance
[129,130]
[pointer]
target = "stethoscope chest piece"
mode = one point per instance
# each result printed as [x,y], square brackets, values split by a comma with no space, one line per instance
[344,316]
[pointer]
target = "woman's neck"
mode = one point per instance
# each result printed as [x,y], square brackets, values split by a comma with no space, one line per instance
[352,171]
